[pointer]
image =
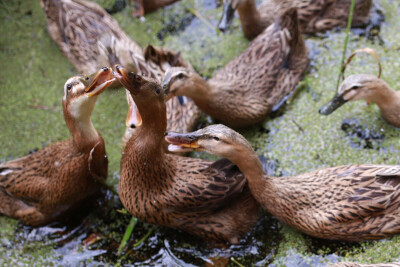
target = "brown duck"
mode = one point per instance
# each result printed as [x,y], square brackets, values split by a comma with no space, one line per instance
[245,91]
[370,88]
[41,187]
[90,38]
[207,199]
[350,203]
[314,16]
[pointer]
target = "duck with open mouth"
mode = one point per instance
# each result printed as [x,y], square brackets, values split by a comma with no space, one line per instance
[42,187]
[204,198]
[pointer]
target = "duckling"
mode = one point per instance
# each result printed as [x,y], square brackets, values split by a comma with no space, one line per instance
[350,203]
[314,16]
[141,7]
[41,187]
[207,199]
[245,91]
[370,88]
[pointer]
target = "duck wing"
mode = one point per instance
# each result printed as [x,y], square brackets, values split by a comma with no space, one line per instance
[208,188]
[363,191]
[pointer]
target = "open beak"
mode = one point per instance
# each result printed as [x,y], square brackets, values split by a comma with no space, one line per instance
[133,118]
[126,78]
[99,82]
[182,142]
[332,105]
[227,18]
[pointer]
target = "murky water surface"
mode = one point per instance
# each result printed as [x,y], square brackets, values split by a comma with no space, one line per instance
[296,138]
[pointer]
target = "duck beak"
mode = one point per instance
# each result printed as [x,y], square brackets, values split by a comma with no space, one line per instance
[127,79]
[99,82]
[133,118]
[182,142]
[227,18]
[332,105]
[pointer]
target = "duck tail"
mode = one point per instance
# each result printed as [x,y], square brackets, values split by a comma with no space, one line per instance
[298,54]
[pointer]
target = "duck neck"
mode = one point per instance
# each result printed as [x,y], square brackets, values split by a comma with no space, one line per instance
[384,96]
[250,165]
[200,91]
[84,135]
[148,140]
[250,19]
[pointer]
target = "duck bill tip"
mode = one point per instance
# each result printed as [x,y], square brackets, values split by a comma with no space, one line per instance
[227,18]
[332,105]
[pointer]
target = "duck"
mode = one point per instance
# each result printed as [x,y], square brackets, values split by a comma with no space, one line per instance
[314,16]
[247,89]
[349,203]
[207,199]
[90,38]
[42,187]
[142,7]
[370,88]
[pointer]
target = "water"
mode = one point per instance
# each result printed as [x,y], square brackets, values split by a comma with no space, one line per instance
[296,137]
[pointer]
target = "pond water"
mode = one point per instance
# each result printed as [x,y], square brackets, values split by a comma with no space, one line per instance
[296,137]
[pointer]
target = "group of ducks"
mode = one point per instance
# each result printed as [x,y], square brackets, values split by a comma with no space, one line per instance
[219,200]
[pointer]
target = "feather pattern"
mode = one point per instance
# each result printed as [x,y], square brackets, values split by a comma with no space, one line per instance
[247,88]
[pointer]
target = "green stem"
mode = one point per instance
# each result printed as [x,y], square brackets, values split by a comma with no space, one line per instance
[346,40]
[127,235]
[235,261]
[145,237]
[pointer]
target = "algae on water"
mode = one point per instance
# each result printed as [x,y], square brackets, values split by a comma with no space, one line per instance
[31,87]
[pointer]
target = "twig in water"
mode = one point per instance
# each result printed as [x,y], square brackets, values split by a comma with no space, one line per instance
[145,237]
[235,261]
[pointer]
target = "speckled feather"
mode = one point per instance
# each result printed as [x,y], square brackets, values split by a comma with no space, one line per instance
[90,38]
[247,88]
[40,187]
[314,15]
[350,203]
[210,200]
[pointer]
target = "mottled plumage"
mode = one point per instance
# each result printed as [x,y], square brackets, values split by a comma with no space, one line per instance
[207,199]
[42,186]
[247,88]
[372,89]
[90,38]
[314,15]
[351,203]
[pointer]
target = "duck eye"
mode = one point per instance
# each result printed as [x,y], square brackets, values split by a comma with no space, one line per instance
[216,138]
[180,76]
[86,78]
[158,91]
[69,86]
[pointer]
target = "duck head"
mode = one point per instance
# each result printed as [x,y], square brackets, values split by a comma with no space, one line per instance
[80,95]
[216,139]
[355,87]
[146,93]
[181,81]
[80,92]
